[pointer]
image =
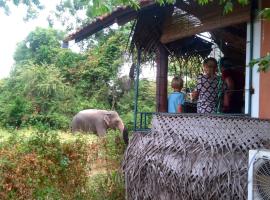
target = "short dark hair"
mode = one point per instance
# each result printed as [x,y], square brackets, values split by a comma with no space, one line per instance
[210,62]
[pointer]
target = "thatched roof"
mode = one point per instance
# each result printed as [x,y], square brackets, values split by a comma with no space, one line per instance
[120,15]
[193,157]
[168,24]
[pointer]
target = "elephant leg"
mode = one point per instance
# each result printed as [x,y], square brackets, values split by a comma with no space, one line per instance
[101,131]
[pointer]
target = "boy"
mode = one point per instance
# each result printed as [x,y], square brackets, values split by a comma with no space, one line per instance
[176,98]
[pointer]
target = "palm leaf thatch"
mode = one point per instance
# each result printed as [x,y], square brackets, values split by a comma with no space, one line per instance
[147,31]
[193,157]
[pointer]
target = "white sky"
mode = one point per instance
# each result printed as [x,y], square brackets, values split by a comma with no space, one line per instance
[14,30]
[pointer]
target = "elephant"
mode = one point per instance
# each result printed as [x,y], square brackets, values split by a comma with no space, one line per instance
[98,121]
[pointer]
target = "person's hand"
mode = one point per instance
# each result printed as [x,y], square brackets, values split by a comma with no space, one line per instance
[194,95]
[179,109]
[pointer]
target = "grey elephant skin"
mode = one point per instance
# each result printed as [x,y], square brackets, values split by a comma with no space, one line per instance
[98,122]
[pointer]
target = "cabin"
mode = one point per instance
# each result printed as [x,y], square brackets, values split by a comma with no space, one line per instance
[195,156]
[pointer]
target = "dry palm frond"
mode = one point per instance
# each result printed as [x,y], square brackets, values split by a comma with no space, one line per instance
[193,157]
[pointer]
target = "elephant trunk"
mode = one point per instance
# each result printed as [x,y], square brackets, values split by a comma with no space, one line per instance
[124,132]
[125,135]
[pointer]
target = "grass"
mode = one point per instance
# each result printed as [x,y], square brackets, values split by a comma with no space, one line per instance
[64,136]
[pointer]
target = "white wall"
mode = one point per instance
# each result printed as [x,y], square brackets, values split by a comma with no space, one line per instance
[255,75]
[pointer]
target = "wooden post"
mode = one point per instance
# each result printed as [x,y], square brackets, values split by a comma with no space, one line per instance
[137,88]
[161,79]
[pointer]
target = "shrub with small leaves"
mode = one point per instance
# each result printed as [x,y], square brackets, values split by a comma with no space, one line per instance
[41,167]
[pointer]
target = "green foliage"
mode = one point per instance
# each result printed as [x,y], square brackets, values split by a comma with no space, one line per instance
[46,88]
[33,6]
[69,63]
[47,165]
[97,73]
[40,46]
[16,110]
[228,7]
[106,182]
[113,147]
[40,167]
[96,7]
[228,4]
[263,63]
[146,102]
[190,67]
[265,13]
[36,94]
[109,186]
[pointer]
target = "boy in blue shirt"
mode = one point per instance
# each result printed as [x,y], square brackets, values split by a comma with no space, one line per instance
[176,99]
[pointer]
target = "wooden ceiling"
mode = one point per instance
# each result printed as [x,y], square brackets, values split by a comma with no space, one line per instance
[198,19]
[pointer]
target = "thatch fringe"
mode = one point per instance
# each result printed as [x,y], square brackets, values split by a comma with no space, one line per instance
[193,157]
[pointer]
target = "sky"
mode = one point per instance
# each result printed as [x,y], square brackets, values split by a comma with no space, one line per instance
[14,30]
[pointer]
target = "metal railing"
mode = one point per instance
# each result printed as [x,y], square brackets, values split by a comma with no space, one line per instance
[143,121]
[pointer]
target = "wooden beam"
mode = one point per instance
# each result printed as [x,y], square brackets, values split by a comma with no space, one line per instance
[127,18]
[175,28]
[108,19]
[194,8]
[230,39]
[161,79]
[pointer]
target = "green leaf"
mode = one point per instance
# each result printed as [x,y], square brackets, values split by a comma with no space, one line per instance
[265,13]
[263,63]
[203,2]
[16,2]
[243,2]
[228,7]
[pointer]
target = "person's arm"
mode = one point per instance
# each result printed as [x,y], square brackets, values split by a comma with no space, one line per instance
[228,94]
[181,101]
[195,93]
[179,108]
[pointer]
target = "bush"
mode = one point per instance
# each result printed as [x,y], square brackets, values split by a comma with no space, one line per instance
[106,182]
[15,113]
[109,186]
[40,167]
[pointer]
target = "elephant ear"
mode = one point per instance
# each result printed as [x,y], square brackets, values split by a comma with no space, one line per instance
[107,119]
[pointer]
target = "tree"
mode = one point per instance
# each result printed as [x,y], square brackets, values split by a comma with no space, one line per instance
[40,46]
[37,90]
[37,94]
[94,7]
[49,84]
[96,75]
[33,6]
